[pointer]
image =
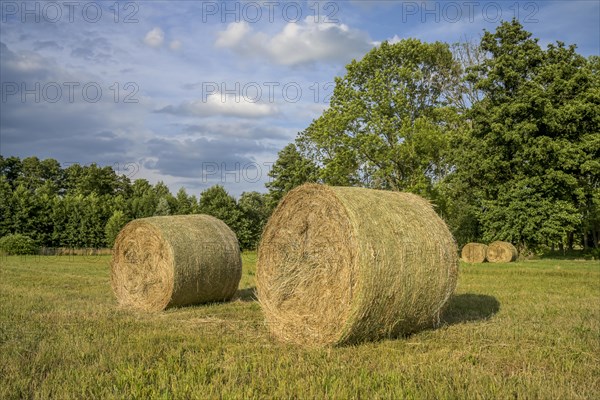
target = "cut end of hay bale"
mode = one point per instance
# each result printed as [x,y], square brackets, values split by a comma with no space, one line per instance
[160,262]
[474,252]
[341,265]
[501,252]
[142,272]
[307,261]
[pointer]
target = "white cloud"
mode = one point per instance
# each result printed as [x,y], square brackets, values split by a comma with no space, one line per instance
[215,104]
[298,43]
[394,39]
[232,35]
[155,37]
[22,62]
[225,105]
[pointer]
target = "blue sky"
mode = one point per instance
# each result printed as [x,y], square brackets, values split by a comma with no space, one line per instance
[195,93]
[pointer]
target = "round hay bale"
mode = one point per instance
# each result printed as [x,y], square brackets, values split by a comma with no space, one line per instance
[473,252]
[161,262]
[339,265]
[501,252]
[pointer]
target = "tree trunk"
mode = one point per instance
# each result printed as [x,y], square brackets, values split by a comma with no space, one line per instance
[584,239]
[590,239]
[570,238]
[595,235]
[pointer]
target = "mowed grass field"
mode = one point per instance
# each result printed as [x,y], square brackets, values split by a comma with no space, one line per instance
[523,330]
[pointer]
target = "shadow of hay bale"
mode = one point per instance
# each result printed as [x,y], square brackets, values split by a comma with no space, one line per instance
[588,254]
[248,294]
[461,308]
[469,307]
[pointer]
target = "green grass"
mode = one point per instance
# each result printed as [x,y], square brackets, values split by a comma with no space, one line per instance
[524,330]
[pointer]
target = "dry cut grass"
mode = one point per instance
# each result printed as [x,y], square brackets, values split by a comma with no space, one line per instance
[520,330]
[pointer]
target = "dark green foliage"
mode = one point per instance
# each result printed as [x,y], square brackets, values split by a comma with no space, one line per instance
[290,170]
[24,209]
[162,208]
[185,204]
[387,126]
[90,179]
[114,225]
[6,208]
[10,169]
[217,202]
[245,217]
[256,210]
[503,138]
[17,244]
[531,160]
[162,192]
[143,199]
[86,206]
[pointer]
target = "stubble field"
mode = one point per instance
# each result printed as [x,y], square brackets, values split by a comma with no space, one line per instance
[523,330]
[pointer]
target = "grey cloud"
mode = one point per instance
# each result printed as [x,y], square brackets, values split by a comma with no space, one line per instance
[24,66]
[244,130]
[83,148]
[101,132]
[96,49]
[202,158]
[64,132]
[191,86]
[46,45]
[84,53]
[187,155]
[200,163]
[106,135]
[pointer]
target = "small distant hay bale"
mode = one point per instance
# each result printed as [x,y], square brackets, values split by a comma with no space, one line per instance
[474,252]
[169,261]
[501,252]
[341,265]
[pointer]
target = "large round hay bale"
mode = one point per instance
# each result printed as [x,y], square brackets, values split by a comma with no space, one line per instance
[474,252]
[160,262]
[340,265]
[501,252]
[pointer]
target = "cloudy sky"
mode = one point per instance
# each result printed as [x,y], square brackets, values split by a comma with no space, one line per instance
[195,93]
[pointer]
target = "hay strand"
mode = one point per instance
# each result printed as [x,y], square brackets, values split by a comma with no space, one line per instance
[474,252]
[161,262]
[501,252]
[340,265]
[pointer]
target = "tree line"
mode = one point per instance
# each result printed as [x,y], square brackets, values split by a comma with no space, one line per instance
[86,206]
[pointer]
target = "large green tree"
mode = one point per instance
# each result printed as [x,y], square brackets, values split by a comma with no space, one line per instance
[531,158]
[143,199]
[389,121]
[162,207]
[290,170]
[217,202]
[6,209]
[10,168]
[255,210]
[113,226]
[91,179]
[185,204]
[24,207]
